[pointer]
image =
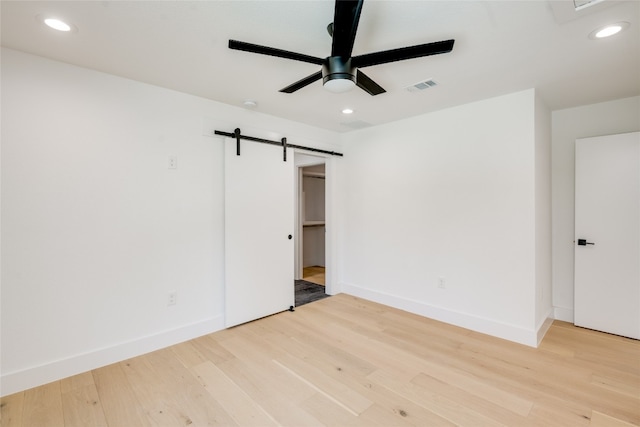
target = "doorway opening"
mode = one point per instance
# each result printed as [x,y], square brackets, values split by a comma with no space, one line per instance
[311,266]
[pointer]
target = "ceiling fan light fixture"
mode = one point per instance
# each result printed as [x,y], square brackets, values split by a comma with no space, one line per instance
[339,84]
[338,75]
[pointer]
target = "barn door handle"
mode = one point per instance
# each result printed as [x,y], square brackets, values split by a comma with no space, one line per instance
[583,242]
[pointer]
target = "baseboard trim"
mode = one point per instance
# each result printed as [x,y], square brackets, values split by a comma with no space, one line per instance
[544,326]
[13,382]
[564,314]
[464,320]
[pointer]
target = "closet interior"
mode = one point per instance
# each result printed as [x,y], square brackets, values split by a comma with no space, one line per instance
[313,224]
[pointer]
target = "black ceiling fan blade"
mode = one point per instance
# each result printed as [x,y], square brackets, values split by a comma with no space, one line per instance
[265,50]
[402,53]
[302,82]
[365,83]
[345,25]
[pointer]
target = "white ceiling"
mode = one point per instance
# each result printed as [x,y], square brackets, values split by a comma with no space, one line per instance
[501,47]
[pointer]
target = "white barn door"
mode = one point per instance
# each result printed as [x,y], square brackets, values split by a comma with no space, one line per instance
[607,251]
[259,224]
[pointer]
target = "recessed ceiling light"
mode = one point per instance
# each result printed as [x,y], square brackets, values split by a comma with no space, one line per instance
[608,30]
[57,24]
[250,103]
[347,111]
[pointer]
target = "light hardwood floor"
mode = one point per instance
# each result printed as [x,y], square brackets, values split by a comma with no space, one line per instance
[343,361]
[314,274]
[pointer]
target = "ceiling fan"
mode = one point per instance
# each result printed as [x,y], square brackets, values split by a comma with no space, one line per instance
[340,71]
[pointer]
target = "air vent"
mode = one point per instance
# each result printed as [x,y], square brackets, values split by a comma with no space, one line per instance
[581,4]
[427,84]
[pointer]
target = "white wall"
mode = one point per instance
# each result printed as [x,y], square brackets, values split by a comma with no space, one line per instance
[607,118]
[96,230]
[449,194]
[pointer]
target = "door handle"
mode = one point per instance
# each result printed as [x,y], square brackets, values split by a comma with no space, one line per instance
[583,242]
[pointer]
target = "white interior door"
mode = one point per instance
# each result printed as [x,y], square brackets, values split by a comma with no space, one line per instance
[259,224]
[607,219]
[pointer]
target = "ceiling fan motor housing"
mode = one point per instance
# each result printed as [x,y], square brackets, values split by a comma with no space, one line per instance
[338,68]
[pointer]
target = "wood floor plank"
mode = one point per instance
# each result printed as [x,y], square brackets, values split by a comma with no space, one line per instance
[209,346]
[381,416]
[477,387]
[400,409]
[11,408]
[446,408]
[323,408]
[188,354]
[160,405]
[617,386]
[242,408]
[170,395]
[264,387]
[82,407]
[598,419]
[553,413]
[310,342]
[43,406]
[335,391]
[361,345]
[76,381]
[493,410]
[119,402]
[255,354]
[607,350]
[80,401]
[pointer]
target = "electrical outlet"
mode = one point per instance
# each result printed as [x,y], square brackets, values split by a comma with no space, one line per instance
[173,162]
[173,298]
[441,283]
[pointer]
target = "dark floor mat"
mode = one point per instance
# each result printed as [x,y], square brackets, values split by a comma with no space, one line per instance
[307,292]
